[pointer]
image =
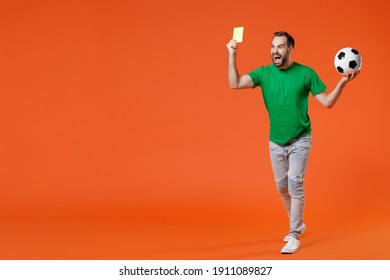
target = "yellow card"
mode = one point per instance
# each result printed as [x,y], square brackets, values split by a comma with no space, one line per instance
[238,32]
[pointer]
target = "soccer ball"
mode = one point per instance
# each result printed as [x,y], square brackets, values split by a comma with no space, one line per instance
[347,60]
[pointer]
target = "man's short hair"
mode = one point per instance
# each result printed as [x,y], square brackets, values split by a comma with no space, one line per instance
[290,39]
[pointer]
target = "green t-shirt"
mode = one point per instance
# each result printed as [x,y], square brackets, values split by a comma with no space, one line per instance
[285,94]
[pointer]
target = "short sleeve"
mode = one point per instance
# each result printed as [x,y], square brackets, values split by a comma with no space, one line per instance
[316,85]
[256,76]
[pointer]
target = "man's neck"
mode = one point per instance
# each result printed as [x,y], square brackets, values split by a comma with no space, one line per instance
[287,65]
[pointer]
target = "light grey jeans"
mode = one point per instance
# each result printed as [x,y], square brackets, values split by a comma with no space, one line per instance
[289,166]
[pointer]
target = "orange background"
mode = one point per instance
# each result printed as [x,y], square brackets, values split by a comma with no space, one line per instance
[120,138]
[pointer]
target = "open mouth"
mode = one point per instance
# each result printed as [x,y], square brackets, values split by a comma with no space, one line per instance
[277,58]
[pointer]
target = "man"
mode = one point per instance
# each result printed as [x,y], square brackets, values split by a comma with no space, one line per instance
[285,86]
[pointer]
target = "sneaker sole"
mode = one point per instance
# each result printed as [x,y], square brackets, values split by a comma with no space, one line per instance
[285,252]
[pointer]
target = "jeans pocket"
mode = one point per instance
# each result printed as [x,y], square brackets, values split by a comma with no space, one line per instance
[304,143]
[273,146]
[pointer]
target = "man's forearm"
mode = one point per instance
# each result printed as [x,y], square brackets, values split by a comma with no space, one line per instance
[232,71]
[335,94]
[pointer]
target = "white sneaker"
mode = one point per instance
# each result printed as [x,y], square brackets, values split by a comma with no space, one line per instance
[287,237]
[291,247]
